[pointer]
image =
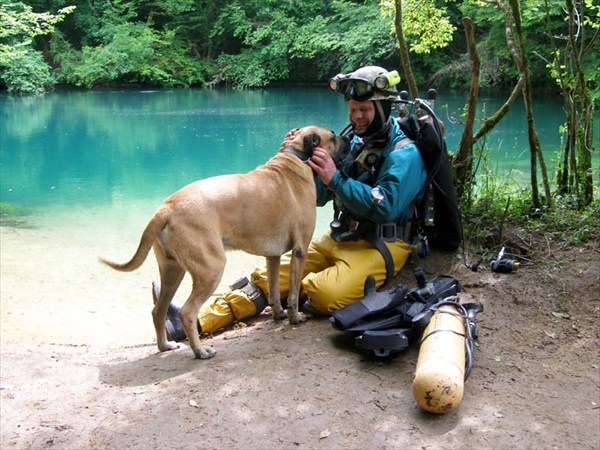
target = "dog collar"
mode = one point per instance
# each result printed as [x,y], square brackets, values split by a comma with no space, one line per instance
[294,151]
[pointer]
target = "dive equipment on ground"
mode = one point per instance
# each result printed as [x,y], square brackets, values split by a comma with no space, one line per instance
[391,313]
[504,265]
[383,343]
[373,303]
[384,325]
[445,355]
[439,376]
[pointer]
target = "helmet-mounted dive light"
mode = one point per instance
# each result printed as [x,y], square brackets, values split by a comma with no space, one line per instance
[387,80]
[334,83]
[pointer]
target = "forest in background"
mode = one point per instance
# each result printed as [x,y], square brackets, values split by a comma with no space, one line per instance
[256,43]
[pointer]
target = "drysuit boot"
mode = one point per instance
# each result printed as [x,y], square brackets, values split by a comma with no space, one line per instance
[175,331]
[173,325]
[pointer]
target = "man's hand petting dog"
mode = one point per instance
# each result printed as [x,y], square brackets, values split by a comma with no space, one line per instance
[322,164]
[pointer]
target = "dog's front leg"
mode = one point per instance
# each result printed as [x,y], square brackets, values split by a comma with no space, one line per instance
[274,295]
[297,264]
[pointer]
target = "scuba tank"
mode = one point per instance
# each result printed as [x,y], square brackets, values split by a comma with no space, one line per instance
[440,373]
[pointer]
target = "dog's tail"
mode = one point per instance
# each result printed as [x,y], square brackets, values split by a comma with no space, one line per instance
[149,235]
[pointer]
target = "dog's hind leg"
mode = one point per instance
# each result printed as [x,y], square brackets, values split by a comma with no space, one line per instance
[205,279]
[273,263]
[171,274]
[189,318]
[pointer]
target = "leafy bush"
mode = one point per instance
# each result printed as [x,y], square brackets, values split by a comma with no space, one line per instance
[27,73]
[135,53]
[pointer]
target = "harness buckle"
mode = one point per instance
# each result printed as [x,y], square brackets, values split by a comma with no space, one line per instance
[387,231]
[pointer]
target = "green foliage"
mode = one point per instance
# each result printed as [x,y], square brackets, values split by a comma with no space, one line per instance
[264,34]
[133,53]
[339,36]
[500,204]
[358,35]
[19,25]
[565,222]
[249,69]
[496,200]
[246,43]
[22,68]
[425,24]
[498,68]
[28,73]
[487,198]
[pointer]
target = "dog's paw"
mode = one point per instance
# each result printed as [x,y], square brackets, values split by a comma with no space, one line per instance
[296,318]
[169,345]
[279,315]
[204,352]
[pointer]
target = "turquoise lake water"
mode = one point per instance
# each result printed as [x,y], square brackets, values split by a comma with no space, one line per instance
[108,147]
[112,156]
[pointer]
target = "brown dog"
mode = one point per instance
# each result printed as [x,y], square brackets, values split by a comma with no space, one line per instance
[265,212]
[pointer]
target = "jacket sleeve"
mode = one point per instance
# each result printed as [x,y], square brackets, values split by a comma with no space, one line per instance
[401,178]
[323,193]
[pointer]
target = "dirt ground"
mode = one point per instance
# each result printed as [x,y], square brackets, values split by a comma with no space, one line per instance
[535,383]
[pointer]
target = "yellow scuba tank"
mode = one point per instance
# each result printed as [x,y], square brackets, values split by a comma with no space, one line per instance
[440,374]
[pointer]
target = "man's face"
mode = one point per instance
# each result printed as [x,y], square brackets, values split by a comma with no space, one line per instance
[361,115]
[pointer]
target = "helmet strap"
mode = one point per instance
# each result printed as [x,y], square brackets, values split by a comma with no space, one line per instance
[379,108]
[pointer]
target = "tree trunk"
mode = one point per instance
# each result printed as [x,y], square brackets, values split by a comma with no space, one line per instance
[534,142]
[574,174]
[490,122]
[406,67]
[463,162]
[584,107]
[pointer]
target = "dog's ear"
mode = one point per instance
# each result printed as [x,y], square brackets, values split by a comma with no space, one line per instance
[316,140]
[309,142]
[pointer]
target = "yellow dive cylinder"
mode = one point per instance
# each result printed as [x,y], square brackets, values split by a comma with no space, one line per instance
[440,373]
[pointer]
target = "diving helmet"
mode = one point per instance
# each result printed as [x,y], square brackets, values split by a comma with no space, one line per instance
[367,83]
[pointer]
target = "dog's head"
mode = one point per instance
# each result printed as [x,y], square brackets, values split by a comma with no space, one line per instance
[304,140]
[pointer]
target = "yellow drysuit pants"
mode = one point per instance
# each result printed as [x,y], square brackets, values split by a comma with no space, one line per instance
[334,277]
